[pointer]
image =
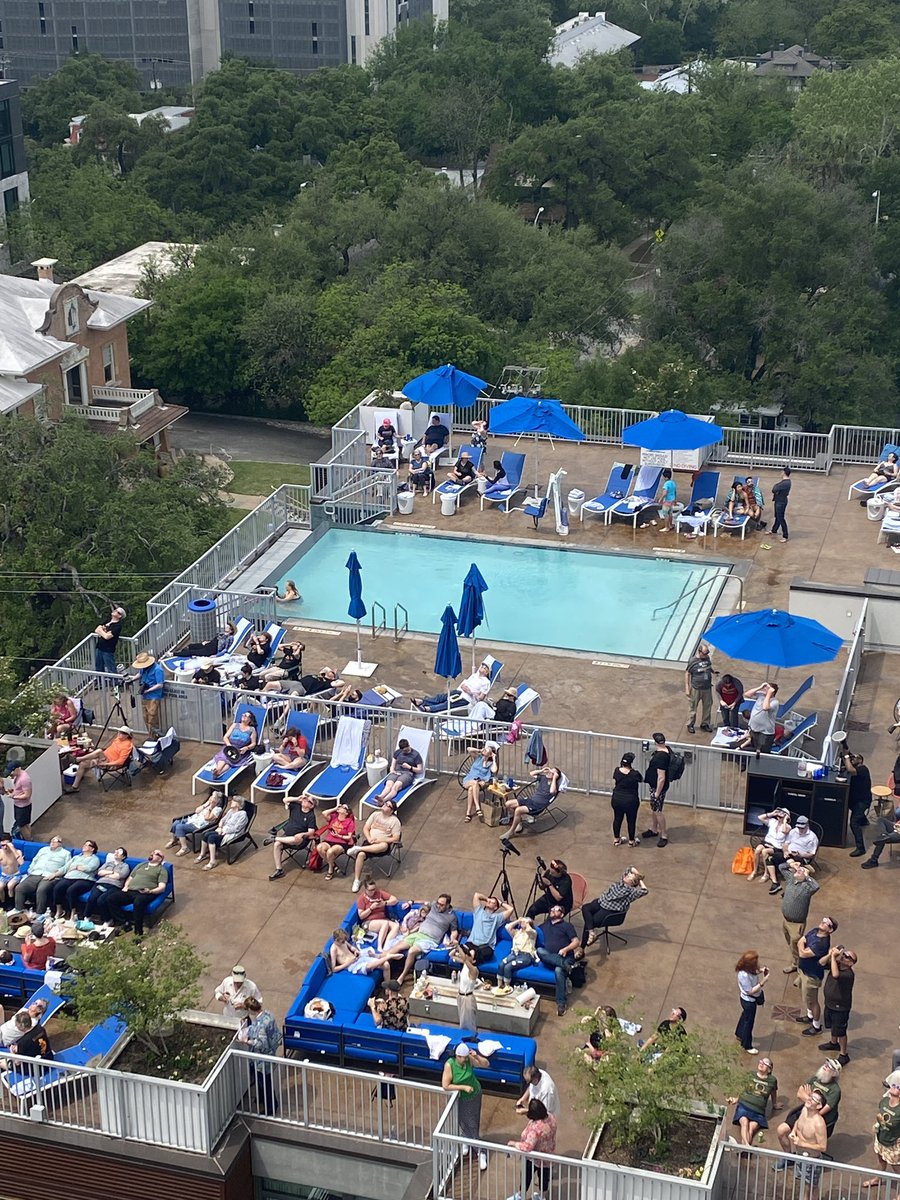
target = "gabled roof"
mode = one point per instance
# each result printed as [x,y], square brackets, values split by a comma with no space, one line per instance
[586,34]
[24,305]
[797,62]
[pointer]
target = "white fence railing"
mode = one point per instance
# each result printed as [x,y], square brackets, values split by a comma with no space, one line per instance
[847,686]
[746,1172]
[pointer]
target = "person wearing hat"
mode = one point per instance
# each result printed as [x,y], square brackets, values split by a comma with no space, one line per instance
[459,1076]
[206,673]
[800,845]
[887,1129]
[107,636]
[464,471]
[505,708]
[150,680]
[826,1081]
[116,754]
[234,991]
[38,947]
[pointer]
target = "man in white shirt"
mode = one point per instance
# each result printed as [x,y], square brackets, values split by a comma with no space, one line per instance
[10,1031]
[472,690]
[540,1087]
[234,991]
[801,842]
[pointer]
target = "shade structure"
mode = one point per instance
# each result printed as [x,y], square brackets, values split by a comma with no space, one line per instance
[471,606]
[775,638]
[357,610]
[672,430]
[445,386]
[538,417]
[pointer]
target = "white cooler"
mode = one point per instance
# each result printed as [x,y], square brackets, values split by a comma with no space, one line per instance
[376,770]
[406,502]
[576,499]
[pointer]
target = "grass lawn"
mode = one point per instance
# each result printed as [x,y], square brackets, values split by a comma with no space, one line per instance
[259,478]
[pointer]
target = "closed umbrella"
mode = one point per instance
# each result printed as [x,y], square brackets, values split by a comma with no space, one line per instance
[524,415]
[445,386]
[774,637]
[471,606]
[447,662]
[357,610]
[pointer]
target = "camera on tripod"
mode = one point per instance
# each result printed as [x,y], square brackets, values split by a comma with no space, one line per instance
[509,848]
[540,862]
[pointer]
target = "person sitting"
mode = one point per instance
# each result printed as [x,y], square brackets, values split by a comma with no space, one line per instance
[436,435]
[736,504]
[385,436]
[38,947]
[298,830]
[730,691]
[112,875]
[63,711]
[555,885]
[336,836]
[291,593]
[116,755]
[495,482]
[320,685]
[342,953]
[482,771]
[473,690]
[9,1030]
[607,1019]
[215,645]
[207,673]
[382,460]
[778,826]
[755,502]
[406,766]
[463,471]
[390,1011]
[885,471]
[232,824]
[77,881]
[147,881]
[237,745]
[247,680]
[505,708]
[671,1026]
[613,904]
[259,646]
[381,831]
[420,473]
[371,908]
[206,813]
[546,790]
[438,921]
[49,864]
[523,935]
[290,667]
[32,1040]
[800,846]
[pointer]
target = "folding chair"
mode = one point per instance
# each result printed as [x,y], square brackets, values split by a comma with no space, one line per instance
[159,756]
[234,850]
[108,777]
[388,863]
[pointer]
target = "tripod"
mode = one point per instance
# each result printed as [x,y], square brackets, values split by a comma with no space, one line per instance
[503,881]
[115,709]
[535,890]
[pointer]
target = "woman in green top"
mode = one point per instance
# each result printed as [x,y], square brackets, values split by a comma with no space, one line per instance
[887,1129]
[753,1102]
[459,1076]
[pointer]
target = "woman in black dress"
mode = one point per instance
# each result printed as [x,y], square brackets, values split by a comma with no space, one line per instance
[625,800]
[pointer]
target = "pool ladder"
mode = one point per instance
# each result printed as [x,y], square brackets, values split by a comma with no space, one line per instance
[379,624]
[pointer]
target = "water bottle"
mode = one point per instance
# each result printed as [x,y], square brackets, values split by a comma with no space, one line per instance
[510,782]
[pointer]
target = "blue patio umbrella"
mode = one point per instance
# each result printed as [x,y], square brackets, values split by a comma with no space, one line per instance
[447,662]
[538,417]
[471,606]
[672,430]
[445,386]
[357,609]
[774,637]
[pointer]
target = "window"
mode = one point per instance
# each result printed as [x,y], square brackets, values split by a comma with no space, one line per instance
[74,385]
[353,48]
[366,17]
[10,200]
[250,16]
[315,37]
[74,39]
[42,18]
[1,40]
[7,160]
[109,363]
[72,316]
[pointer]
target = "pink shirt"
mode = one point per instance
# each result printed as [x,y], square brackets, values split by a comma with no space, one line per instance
[22,789]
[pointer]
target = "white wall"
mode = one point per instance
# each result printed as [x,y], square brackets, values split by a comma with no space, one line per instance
[839,611]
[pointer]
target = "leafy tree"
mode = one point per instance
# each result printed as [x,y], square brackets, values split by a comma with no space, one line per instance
[375,167]
[848,119]
[114,139]
[144,982]
[856,31]
[755,26]
[82,81]
[23,706]
[745,112]
[108,529]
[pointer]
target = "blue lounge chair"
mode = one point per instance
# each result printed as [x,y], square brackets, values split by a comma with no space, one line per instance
[348,761]
[513,464]
[704,491]
[476,453]
[646,485]
[617,488]
[861,491]
[796,734]
[739,524]
[304,723]
[276,632]
[227,778]
[419,739]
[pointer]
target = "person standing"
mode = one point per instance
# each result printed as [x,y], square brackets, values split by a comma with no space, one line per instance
[799,889]
[151,680]
[540,1087]
[658,778]
[860,798]
[260,1033]
[809,1137]
[667,503]
[762,716]
[826,1081]
[839,980]
[538,1137]
[459,1076]
[780,493]
[887,1129]
[466,1004]
[234,991]
[625,800]
[751,981]
[107,636]
[698,677]
[22,791]
[812,950]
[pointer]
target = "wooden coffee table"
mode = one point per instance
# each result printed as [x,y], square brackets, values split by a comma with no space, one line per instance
[502,1014]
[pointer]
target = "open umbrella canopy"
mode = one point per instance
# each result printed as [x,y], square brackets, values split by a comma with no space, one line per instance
[445,386]
[533,414]
[357,609]
[471,606]
[447,662]
[775,638]
[672,430]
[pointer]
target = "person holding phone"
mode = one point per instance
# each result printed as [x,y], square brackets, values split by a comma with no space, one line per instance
[751,981]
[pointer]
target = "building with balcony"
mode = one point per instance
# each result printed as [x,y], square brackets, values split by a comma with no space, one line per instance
[64,349]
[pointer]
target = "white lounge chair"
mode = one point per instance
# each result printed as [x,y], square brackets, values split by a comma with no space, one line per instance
[419,739]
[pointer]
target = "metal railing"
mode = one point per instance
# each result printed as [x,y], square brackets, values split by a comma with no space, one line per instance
[353,495]
[773,448]
[860,443]
[746,1172]
[846,688]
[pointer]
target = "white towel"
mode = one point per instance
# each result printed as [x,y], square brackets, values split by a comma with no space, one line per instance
[630,1027]
[437,1042]
[487,1048]
[348,742]
[358,967]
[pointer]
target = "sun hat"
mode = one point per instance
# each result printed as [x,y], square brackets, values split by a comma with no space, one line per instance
[893,1080]
[206,664]
[125,729]
[239,972]
[144,659]
[462,1050]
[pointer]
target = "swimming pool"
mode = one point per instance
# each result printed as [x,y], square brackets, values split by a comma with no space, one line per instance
[539,596]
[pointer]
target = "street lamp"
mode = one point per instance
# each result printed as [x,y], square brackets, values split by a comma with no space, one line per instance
[537,217]
[876,196]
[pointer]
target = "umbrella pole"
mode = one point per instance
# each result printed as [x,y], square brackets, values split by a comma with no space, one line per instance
[356,666]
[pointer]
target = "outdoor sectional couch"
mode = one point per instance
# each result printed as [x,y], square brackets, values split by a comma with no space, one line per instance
[352,1037]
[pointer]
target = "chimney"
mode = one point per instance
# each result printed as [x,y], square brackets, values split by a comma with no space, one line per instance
[602,16]
[44,267]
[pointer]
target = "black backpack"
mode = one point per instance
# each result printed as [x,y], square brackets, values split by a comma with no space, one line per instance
[676,766]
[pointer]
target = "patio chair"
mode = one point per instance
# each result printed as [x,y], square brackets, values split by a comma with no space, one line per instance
[536,508]
[739,524]
[276,632]
[459,702]
[513,464]
[617,488]
[348,761]
[861,491]
[703,494]
[800,731]
[234,850]
[458,490]
[227,778]
[305,724]
[646,485]
[419,739]
[159,756]
[435,456]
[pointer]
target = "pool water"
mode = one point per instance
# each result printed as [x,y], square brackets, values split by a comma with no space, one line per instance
[538,596]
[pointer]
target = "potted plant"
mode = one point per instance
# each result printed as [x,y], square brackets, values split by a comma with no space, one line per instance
[657,1107]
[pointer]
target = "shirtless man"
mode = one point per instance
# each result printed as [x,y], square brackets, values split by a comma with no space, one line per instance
[11,860]
[809,1137]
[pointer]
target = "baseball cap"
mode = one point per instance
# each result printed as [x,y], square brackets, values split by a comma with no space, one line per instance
[803,820]
[462,1050]
[893,1080]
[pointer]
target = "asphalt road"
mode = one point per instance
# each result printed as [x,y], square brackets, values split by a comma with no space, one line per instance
[249,438]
